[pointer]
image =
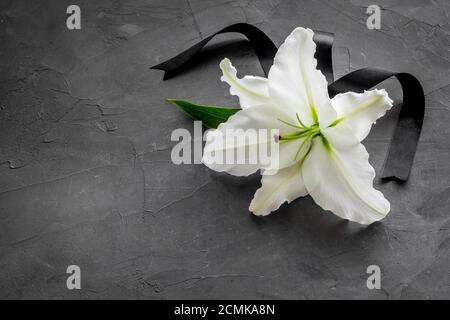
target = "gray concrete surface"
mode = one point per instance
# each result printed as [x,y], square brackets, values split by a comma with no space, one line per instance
[86,176]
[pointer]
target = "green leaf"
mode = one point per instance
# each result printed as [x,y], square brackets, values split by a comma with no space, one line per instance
[211,116]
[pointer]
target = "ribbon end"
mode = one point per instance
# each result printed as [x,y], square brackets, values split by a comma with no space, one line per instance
[162,68]
[157,67]
[393,171]
[399,180]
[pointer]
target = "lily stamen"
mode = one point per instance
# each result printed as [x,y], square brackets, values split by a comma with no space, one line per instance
[290,124]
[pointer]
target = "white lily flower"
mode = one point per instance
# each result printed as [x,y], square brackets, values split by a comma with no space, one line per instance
[320,150]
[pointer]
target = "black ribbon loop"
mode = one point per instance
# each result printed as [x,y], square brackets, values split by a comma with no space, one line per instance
[403,146]
[264,48]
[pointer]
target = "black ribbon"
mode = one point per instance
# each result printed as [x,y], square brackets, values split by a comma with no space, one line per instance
[407,132]
[264,48]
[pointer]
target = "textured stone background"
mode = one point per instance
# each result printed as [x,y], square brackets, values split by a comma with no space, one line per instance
[86,176]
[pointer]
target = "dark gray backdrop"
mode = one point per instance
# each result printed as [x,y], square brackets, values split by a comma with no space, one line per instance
[86,176]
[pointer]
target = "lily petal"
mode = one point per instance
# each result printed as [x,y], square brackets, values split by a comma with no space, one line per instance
[257,117]
[250,90]
[294,81]
[339,178]
[286,186]
[326,114]
[360,110]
